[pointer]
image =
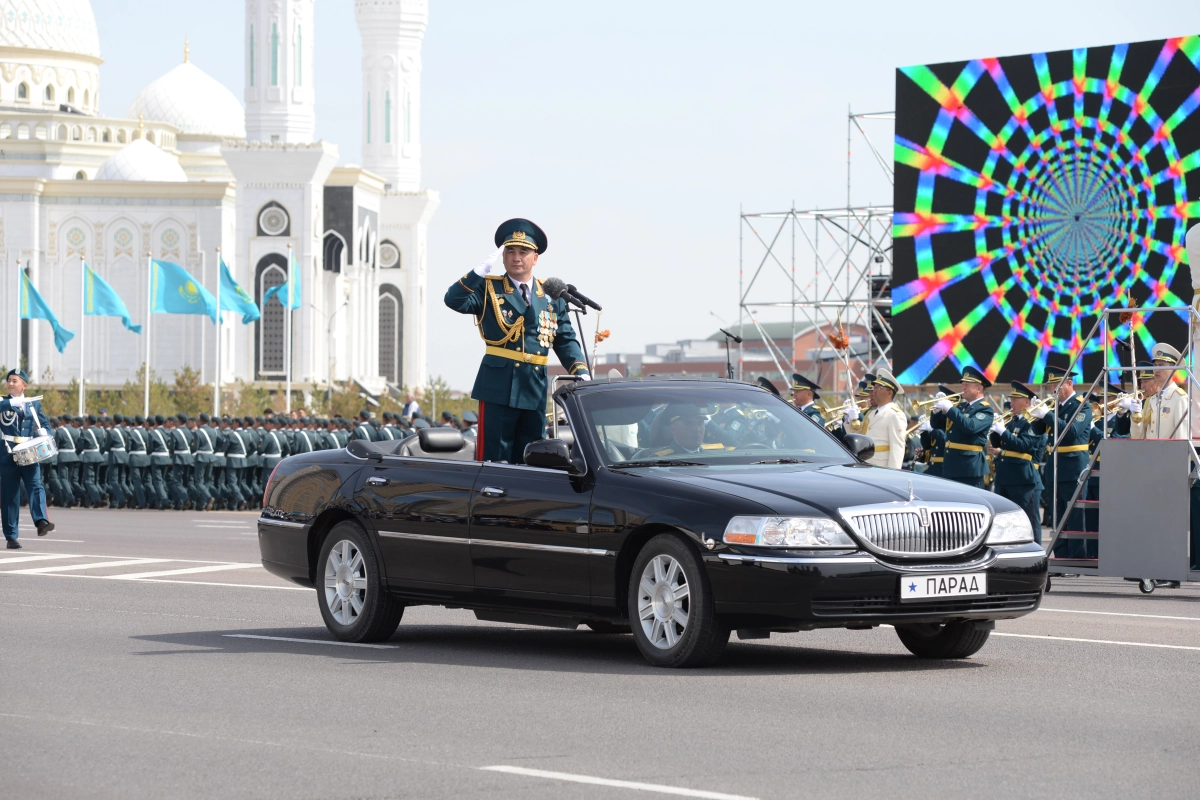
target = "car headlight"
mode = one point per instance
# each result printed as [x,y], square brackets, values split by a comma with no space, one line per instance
[787,532]
[1011,527]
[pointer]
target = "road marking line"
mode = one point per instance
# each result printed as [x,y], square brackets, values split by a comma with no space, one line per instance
[642,787]
[226,527]
[126,562]
[187,571]
[1118,614]
[310,641]
[163,580]
[1094,641]
[36,558]
[56,540]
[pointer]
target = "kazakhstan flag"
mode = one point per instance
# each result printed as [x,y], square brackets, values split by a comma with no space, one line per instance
[174,291]
[100,300]
[235,298]
[281,291]
[34,307]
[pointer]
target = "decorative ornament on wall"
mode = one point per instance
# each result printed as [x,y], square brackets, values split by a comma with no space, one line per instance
[123,242]
[273,221]
[76,241]
[389,255]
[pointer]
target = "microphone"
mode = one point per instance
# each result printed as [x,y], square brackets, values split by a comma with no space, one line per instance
[582,298]
[737,339]
[556,289]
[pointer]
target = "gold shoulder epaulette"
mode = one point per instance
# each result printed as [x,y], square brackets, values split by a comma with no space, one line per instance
[984,403]
[712,446]
[666,452]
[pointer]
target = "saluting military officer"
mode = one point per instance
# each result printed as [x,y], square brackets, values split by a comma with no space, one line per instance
[519,325]
[886,422]
[1074,431]
[1020,449]
[967,425]
[20,419]
[805,394]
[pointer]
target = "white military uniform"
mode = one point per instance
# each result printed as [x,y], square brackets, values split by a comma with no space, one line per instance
[1164,415]
[886,426]
[1193,250]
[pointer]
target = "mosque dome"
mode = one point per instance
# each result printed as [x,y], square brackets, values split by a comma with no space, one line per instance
[63,26]
[194,102]
[141,161]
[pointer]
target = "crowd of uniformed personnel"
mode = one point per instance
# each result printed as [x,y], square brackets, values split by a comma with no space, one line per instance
[200,463]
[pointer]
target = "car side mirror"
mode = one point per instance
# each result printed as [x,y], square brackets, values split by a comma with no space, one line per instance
[441,440]
[861,447]
[550,454]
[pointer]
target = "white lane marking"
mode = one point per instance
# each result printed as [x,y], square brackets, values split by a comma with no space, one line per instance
[636,785]
[226,527]
[162,580]
[1094,641]
[56,540]
[1118,614]
[125,562]
[19,559]
[187,571]
[310,641]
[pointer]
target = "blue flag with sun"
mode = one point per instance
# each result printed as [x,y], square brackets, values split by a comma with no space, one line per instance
[235,298]
[174,291]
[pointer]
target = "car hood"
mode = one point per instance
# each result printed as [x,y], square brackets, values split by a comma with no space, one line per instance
[795,489]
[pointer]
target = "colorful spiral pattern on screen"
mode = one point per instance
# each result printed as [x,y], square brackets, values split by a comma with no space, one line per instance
[1034,191]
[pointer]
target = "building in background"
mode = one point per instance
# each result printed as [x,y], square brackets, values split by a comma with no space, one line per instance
[186,171]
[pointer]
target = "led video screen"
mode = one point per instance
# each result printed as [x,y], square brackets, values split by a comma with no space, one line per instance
[1031,193]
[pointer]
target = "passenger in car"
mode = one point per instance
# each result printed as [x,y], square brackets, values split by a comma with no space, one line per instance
[686,424]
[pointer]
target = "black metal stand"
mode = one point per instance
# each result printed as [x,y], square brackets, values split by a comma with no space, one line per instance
[728,362]
[582,340]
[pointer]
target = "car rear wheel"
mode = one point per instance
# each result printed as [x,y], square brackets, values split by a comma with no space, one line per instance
[948,640]
[671,607]
[354,604]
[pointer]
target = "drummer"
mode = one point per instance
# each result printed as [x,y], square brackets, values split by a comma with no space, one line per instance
[21,419]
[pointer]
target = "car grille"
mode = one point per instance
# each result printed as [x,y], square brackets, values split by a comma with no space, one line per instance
[924,530]
[890,606]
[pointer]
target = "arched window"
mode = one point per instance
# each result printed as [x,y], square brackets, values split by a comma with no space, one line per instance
[62,133]
[49,93]
[269,330]
[121,137]
[391,334]
[85,98]
[22,91]
[106,136]
[71,95]
[334,252]
[81,176]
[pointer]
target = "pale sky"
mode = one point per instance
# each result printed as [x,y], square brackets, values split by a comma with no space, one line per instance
[631,132]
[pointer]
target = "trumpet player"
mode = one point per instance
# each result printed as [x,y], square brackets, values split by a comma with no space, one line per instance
[804,396]
[1017,451]
[967,425]
[933,436]
[1074,428]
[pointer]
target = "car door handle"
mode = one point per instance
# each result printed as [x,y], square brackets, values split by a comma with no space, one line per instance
[493,491]
[377,481]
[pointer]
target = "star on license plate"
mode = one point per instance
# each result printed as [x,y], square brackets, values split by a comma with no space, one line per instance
[941,587]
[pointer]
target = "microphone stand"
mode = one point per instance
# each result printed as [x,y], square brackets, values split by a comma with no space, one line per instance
[582,337]
[728,363]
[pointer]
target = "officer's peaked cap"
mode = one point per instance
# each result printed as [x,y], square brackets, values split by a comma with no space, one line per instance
[521,233]
[973,375]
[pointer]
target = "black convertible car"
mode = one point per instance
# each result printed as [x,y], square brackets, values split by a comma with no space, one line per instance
[675,510]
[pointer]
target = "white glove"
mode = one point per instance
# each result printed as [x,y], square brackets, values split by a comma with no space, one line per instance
[1040,412]
[924,427]
[998,427]
[943,405]
[43,432]
[585,377]
[489,264]
[1135,405]
[1124,403]
[851,414]
[939,395]
[18,402]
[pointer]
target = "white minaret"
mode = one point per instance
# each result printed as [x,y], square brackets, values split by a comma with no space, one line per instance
[279,74]
[392,31]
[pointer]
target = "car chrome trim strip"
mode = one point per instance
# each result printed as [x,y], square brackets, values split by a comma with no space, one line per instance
[282,523]
[425,537]
[1025,554]
[800,559]
[549,548]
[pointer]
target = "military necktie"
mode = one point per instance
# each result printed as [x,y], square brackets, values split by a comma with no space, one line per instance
[525,293]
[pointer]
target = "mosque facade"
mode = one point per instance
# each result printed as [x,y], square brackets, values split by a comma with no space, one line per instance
[191,175]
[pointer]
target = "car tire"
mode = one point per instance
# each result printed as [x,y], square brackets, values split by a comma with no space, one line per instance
[350,592]
[605,626]
[949,640]
[671,608]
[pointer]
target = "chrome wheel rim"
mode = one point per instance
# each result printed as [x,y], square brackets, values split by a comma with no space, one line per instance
[345,582]
[664,602]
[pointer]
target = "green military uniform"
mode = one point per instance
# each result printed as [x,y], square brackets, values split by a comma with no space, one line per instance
[160,460]
[967,425]
[1074,430]
[810,409]
[1021,449]
[68,463]
[519,333]
[91,456]
[118,464]
[139,460]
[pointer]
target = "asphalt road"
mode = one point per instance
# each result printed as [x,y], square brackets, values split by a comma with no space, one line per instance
[146,686]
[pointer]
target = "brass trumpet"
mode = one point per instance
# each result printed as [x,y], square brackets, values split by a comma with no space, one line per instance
[1111,405]
[953,398]
[827,411]
[924,418]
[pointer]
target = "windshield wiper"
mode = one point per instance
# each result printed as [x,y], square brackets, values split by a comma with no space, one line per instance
[659,462]
[780,461]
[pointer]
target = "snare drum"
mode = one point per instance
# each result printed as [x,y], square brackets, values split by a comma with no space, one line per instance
[34,451]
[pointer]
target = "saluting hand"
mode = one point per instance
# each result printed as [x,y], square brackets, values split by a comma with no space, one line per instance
[489,264]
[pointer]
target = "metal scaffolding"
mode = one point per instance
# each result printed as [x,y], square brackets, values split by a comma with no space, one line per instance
[822,265]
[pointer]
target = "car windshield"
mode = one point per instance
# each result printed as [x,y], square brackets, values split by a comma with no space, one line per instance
[702,425]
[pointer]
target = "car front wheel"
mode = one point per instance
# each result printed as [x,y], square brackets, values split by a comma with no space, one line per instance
[948,640]
[354,604]
[671,606]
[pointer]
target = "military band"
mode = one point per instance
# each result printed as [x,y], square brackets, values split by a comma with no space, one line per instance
[1017,455]
[967,425]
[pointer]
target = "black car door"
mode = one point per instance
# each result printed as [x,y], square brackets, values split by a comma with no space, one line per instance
[529,536]
[419,509]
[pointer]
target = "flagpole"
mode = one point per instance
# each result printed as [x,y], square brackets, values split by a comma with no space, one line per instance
[288,334]
[217,355]
[203,340]
[149,319]
[82,326]
[18,362]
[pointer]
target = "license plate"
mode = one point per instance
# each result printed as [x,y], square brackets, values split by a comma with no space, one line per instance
[940,587]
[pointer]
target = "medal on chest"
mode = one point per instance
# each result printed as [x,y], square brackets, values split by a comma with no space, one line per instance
[547,327]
